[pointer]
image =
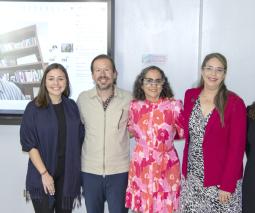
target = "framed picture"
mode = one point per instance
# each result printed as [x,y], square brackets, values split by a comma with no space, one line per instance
[34,34]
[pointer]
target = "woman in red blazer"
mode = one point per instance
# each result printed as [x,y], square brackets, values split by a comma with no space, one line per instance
[215,132]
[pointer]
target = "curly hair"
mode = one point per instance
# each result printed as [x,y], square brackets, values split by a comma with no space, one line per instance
[138,92]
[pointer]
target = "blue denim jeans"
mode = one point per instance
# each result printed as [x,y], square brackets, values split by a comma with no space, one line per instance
[110,188]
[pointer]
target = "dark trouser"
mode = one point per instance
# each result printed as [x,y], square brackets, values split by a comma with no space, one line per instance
[97,189]
[43,206]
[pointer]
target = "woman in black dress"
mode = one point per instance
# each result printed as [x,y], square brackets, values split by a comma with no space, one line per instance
[249,174]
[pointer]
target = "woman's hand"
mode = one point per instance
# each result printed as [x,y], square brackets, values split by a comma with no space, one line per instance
[48,183]
[47,180]
[224,196]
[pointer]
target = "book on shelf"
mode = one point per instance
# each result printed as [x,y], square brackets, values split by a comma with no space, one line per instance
[11,46]
[29,76]
[24,76]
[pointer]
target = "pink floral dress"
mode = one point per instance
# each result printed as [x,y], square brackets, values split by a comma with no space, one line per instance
[154,173]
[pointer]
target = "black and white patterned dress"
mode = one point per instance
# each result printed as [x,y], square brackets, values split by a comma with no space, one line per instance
[195,198]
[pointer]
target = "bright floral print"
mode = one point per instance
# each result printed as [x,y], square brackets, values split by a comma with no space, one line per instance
[154,174]
[158,117]
[162,135]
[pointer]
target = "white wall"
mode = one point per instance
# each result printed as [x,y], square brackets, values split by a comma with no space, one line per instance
[175,28]
[162,27]
[228,27]
[13,164]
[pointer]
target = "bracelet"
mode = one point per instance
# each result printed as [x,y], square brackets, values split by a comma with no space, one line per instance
[43,173]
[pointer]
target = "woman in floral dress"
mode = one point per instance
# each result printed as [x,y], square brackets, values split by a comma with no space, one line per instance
[155,121]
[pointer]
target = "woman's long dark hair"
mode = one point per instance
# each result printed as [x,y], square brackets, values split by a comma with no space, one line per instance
[220,99]
[138,92]
[43,99]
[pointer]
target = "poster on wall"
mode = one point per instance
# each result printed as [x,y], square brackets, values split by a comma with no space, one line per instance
[40,33]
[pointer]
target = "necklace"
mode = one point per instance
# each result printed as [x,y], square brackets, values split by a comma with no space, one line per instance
[107,101]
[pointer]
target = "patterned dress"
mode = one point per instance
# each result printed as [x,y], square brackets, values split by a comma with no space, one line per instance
[154,174]
[195,198]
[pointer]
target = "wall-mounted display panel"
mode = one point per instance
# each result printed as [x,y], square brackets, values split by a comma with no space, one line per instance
[34,34]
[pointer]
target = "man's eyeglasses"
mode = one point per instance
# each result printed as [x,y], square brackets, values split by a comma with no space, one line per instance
[218,70]
[151,82]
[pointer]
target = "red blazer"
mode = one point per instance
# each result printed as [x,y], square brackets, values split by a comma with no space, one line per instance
[223,147]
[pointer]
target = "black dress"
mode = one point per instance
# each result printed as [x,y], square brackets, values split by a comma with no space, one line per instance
[249,174]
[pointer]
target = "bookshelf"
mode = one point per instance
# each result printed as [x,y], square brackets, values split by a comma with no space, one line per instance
[21,59]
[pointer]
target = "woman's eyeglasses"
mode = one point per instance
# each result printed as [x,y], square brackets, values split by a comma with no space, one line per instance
[151,82]
[210,69]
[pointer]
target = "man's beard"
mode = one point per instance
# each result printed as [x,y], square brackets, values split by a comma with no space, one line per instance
[104,86]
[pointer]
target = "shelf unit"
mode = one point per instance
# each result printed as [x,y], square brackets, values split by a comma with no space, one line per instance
[21,59]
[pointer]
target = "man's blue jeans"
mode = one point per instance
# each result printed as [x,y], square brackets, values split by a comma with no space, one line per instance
[111,188]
